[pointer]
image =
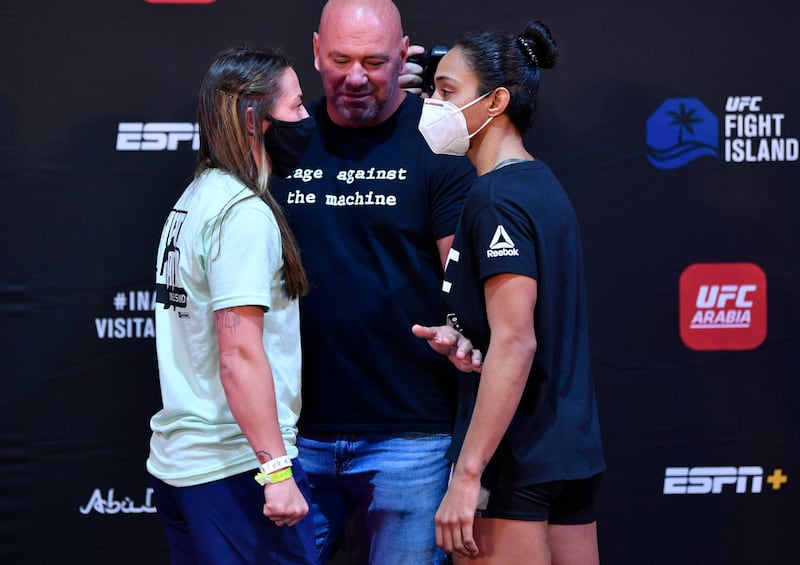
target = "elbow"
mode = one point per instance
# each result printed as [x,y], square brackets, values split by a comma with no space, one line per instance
[517,345]
[522,349]
[230,362]
[530,347]
[526,345]
[528,350]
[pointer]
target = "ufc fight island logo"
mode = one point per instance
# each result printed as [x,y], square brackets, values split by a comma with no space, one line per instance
[723,306]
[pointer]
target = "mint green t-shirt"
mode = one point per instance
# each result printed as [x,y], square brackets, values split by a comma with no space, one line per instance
[220,248]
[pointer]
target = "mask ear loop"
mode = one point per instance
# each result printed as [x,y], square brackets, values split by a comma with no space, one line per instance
[477,131]
[478,99]
[489,119]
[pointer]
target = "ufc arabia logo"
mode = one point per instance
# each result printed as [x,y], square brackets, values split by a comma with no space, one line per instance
[723,306]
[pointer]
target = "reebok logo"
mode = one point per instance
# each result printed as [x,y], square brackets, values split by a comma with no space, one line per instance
[723,306]
[502,245]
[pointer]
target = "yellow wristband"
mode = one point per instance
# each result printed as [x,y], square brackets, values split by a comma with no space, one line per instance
[272,478]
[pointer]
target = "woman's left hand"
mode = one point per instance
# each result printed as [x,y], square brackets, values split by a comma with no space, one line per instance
[448,341]
[456,516]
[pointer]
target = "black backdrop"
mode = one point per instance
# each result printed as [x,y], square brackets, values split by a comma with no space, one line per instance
[692,254]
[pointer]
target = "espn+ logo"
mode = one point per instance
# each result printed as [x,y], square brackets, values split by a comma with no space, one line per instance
[711,480]
[723,306]
[157,136]
[716,480]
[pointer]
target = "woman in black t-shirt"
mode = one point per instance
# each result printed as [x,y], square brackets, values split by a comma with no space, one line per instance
[527,442]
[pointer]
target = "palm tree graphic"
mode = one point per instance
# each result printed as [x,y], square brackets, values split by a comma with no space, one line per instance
[684,120]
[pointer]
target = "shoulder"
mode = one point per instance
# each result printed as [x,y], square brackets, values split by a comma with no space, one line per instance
[412,105]
[509,189]
[226,198]
[525,181]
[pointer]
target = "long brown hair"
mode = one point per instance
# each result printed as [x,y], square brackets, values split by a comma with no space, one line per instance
[238,79]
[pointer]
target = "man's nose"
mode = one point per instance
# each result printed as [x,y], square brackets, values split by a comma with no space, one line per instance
[357,75]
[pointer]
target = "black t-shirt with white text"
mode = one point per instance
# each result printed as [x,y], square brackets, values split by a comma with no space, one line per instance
[367,206]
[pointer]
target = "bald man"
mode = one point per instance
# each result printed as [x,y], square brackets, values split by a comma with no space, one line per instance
[374,212]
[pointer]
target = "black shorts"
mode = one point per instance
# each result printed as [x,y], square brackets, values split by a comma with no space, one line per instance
[557,502]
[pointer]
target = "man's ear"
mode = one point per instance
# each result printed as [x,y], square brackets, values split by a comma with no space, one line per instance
[404,53]
[500,99]
[315,42]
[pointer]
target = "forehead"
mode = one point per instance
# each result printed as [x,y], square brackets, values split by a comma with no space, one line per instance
[362,33]
[454,68]
[289,84]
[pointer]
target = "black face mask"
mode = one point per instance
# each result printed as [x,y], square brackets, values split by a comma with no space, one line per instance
[286,142]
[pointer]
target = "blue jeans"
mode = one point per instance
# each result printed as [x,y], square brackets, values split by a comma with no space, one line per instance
[394,481]
[221,523]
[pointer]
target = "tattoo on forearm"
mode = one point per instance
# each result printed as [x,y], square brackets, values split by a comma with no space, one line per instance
[267,454]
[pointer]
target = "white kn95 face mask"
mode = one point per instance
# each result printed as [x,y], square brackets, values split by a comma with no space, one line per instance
[444,126]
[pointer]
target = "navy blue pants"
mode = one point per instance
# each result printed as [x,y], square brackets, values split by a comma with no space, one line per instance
[222,522]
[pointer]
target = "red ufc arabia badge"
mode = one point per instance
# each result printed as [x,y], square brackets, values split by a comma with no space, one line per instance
[723,306]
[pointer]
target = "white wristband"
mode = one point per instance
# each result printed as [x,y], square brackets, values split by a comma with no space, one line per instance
[276,464]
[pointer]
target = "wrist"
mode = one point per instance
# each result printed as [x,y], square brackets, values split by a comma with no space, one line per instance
[275,477]
[276,464]
[274,470]
[466,471]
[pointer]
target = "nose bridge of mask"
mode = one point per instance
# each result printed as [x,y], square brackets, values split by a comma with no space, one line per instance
[451,108]
[442,110]
[285,124]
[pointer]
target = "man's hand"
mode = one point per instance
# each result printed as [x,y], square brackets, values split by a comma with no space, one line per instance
[447,341]
[411,77]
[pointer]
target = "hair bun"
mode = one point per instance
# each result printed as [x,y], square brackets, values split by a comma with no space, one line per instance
[539,45]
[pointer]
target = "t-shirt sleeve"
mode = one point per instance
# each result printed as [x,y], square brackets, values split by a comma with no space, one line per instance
[504,242]
[243,256]
[453,177]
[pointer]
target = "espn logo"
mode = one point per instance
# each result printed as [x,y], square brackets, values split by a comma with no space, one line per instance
[723,306]
[712,480]
[156,136]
